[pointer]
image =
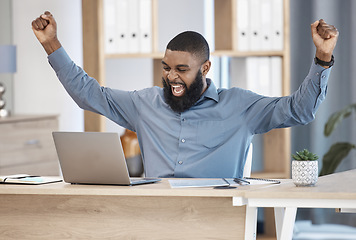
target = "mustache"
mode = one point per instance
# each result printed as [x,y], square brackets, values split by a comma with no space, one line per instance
[174,82]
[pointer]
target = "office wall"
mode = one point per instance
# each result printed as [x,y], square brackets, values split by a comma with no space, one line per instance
[6,39]
[36,88]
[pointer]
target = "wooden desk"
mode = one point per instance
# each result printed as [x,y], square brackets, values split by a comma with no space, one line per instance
[152,211]
[156,211]
[331,191]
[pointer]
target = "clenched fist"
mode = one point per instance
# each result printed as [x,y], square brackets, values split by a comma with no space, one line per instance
[45,29]
[324,37]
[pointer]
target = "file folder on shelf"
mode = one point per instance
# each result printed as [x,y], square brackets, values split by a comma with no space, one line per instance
[145,33]
[243,34]
[276,76]
[259,25]
[122,25]
[266,25]
[264,76]
[258,75]
[133,26]
[277,25]
[255,25]
[110,34]
[238,73]
[252,75]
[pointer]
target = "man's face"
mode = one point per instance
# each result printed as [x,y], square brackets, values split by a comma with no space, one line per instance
[182,79]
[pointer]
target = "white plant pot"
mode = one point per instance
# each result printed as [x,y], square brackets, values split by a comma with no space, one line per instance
[304,173]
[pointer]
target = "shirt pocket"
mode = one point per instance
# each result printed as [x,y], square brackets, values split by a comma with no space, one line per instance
[211,133]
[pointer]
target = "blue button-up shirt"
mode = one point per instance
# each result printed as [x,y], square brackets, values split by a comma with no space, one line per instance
[212,138]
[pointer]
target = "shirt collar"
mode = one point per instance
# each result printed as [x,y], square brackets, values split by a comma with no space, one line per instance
[211,92]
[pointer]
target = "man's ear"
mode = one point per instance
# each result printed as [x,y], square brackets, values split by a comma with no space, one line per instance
[206,67]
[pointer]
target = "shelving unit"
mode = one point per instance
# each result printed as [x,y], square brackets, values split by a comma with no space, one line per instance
[276,142]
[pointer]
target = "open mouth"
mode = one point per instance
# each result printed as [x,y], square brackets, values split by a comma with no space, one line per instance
[178,89]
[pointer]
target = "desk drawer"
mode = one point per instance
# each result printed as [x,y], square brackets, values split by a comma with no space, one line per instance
[27,143]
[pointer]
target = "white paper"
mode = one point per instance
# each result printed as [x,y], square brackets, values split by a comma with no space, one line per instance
[187,183]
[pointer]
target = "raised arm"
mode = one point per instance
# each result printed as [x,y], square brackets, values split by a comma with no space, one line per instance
[45,29]
[116,105]
[300,107]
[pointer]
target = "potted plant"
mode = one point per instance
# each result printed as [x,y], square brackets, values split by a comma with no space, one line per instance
[304,168]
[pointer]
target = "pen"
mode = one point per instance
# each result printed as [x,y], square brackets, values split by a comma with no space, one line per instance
[239,180]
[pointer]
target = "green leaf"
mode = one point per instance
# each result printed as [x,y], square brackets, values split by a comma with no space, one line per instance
[337,117]
[334,156]
[304,155]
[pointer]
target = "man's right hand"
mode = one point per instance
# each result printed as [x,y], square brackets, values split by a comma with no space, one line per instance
[45,29]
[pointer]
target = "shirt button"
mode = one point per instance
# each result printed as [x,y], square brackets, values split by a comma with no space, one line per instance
[323,76]
[183,140]
[180,162]
[317,74]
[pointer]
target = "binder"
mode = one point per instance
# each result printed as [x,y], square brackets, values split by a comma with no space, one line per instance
[133,26]
[264,76]
[259,75]
[266,24]
[243,34]
[110,34]
[277,25]
[252,75]
[276,76]
[255,25]
[122,26]
[145,33]
[238,73]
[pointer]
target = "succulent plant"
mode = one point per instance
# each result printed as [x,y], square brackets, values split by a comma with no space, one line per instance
[304,155]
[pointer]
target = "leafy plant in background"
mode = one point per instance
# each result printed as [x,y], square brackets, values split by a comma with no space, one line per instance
[338,151]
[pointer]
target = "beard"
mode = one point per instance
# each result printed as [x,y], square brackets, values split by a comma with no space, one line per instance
[190,97]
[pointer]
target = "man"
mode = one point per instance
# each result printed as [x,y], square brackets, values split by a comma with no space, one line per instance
[189,128]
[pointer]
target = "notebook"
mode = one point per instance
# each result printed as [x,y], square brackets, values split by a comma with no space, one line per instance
[94,158]
[27,179]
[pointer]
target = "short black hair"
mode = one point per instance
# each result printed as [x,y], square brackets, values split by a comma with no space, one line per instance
[191,42]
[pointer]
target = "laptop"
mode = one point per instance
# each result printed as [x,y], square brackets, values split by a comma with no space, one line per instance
[94,158]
